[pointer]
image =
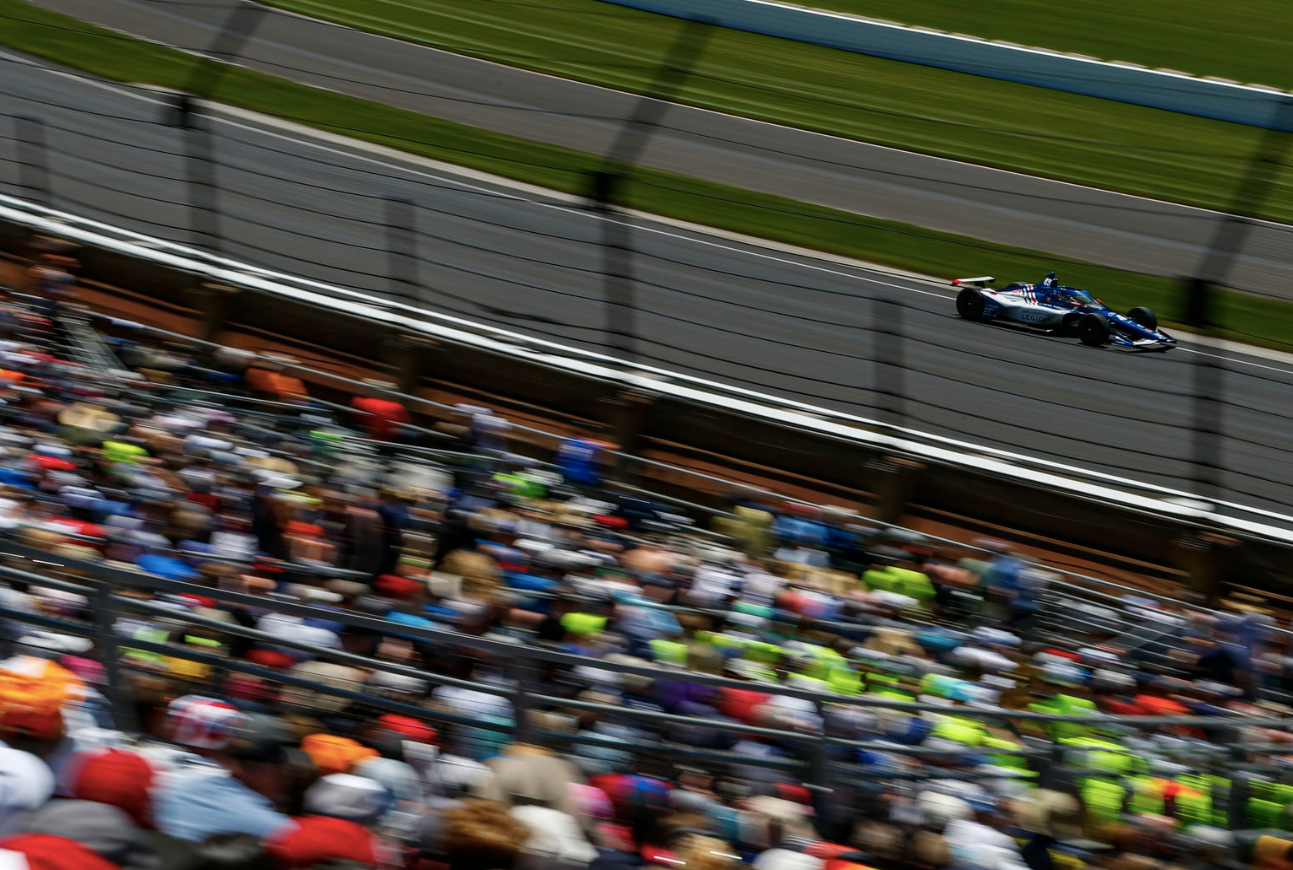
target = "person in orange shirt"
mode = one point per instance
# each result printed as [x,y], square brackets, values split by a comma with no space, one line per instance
[270,379]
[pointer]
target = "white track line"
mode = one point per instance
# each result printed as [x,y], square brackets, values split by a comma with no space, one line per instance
[495,182]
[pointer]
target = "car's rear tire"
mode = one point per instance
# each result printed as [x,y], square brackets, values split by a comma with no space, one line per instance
[970,303]
[1145,317]
[1093,330]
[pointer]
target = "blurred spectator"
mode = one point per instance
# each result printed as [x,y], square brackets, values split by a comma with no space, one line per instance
[807,619]
[231,782]
[384,418]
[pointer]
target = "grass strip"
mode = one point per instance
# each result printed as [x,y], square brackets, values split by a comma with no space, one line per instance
[105,53]
[1085,140]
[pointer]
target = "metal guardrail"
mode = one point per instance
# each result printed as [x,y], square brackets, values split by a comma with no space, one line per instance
[821,762]
[1071,586]
[43,567]
[1123,493]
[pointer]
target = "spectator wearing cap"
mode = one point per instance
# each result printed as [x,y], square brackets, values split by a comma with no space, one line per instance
[26,783]
[400,822]
[339,809]
[123,779]
[536,785]
[44,707]
[50,852]
[114,777]
[333,754]
[105,830]
[233,783]
[978,843]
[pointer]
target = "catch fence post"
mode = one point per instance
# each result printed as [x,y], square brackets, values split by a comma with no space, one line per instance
[105,619]
[1200,297]
[401,248]
[523,673]
[33,158]
[890,368]
[200,160]
[199,133]
[606,185]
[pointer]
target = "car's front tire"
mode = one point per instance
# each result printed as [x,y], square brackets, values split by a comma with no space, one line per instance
[970,304]
[1145,317]
[1093,330]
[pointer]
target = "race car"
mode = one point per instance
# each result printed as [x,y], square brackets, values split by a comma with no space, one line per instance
[1059,310]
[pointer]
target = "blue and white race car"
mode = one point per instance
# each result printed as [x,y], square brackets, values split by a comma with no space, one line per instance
[1059,310]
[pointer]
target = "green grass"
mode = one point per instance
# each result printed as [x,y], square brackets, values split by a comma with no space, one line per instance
[1033,130]
[1243,40]
[79,45]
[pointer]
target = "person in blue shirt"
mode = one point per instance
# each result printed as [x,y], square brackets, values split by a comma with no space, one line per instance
[233,779]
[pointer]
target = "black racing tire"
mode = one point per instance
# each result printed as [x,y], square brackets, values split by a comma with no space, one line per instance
[1093,330]
[970,304]
[1145,317]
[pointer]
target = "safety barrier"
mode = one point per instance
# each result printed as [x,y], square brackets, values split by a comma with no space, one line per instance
[1066,587]
[1111,492]
[1124,82]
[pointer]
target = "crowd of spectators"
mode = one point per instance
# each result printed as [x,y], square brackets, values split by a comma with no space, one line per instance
[218,470]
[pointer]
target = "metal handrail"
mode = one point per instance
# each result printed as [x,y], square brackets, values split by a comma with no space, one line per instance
[732,484]
[506,651]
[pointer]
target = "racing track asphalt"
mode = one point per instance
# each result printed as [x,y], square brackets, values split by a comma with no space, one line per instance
[1098,226]
[746,315]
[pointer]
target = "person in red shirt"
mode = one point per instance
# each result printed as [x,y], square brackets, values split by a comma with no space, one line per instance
[383,418]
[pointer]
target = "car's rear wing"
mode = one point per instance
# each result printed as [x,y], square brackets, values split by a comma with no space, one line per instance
[977,282]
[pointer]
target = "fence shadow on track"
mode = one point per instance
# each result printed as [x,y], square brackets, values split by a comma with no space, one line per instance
[598,282]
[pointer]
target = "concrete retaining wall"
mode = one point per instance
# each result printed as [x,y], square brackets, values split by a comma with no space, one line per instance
[1125,83]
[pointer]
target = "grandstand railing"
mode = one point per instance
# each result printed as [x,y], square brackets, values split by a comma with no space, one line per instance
[1069,585]
[103,585]
[1072,588]
[104,588]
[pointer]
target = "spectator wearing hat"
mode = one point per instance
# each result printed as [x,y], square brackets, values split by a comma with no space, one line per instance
[106,830]
[233,779]
[114,777]
[339,809]
[536,785]
[26,783]
[50,852]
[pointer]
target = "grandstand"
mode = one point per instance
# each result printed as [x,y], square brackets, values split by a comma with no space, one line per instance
[244,620]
